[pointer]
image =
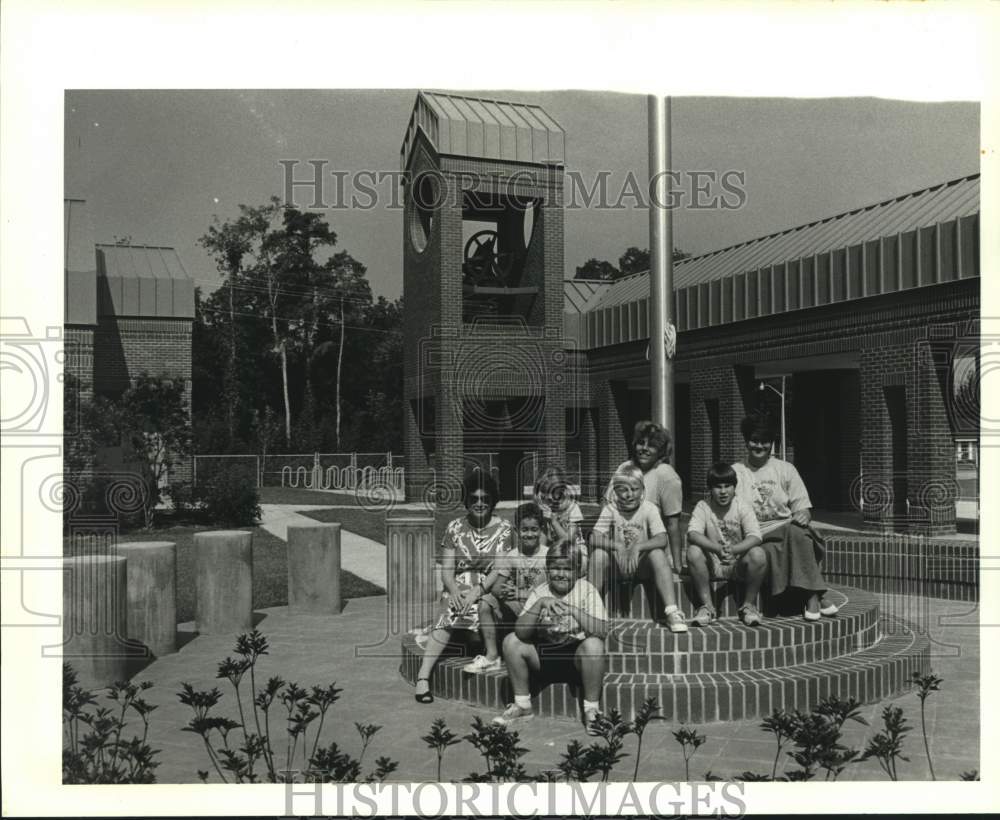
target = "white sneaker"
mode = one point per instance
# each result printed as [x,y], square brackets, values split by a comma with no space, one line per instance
[513,714]
[676,622]
[482,664]
[590,717]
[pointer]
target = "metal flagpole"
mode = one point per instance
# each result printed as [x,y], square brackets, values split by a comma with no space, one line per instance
[661,264]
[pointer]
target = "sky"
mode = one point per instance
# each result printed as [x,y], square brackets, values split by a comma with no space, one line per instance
[158,166]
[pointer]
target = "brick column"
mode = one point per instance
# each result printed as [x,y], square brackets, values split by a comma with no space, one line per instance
[612,440]
[906,369]
[727,385]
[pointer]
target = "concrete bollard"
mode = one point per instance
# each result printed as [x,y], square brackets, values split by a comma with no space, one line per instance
[95,619]
[223,578]
[410,588]
[314,569]
[152,594]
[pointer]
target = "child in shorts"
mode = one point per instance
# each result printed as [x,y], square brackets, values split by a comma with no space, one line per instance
[563,620]
[630,536]
[724,543]
[520,571]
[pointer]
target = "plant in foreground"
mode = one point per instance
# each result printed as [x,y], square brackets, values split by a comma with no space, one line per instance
[303,708]
[688,738]
[647,714]
[887,745]
[782,725]
[499,747]
[612,729]
[101,755]
[440,738]
[925,685]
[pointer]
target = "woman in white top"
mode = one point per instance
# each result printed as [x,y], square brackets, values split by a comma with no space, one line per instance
[781,503]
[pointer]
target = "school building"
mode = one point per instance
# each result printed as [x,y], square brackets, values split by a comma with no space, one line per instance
[128,309]
[850,328]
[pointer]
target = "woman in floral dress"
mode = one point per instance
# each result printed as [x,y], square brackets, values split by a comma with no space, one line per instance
[469,552]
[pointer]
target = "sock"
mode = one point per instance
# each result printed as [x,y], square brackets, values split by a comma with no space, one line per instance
[672,608]
[524,701]
[590,704]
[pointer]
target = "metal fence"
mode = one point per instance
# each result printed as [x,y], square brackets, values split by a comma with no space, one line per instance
[345,472]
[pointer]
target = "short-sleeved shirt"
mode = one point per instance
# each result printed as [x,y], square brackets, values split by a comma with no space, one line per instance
[663,488]
[775,491]
[476,548]
[584,596]
[525,571]
[640,525]
[736,522]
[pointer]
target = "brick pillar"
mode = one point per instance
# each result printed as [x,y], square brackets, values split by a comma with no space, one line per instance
[612,440]
[931,480]
[727,385]
[418,469]
[927,478]
[591,484]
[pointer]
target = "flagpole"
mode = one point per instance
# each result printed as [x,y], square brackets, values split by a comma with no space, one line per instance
[661,261]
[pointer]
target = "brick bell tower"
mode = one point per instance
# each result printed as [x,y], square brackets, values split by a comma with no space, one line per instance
[486,373]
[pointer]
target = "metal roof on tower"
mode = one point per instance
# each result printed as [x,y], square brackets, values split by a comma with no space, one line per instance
[485,129]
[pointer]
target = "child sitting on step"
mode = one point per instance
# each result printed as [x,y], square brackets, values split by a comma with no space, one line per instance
[520,571]
[724,543]
[561,514]
[629,539]
[563,622]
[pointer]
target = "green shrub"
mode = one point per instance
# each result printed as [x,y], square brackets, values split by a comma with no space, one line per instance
[231,497]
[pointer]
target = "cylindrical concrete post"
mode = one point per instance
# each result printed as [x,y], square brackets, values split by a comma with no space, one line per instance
[412,597]
[95,620]
[152,594]
[223,578]
[314,569]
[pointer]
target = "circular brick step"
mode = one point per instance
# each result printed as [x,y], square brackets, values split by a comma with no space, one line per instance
[871,675]
[727,645]
[723,672]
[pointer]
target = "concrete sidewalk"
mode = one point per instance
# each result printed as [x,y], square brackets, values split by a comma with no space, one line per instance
[358,555]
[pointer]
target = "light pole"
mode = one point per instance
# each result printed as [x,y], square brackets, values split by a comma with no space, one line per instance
[780,393]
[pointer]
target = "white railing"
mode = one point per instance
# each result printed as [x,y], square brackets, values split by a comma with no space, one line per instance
[312,471]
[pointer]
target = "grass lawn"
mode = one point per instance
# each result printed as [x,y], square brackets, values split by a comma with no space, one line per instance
[270,576]
[292,495]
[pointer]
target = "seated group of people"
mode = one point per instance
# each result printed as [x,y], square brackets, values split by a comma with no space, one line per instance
[536,593]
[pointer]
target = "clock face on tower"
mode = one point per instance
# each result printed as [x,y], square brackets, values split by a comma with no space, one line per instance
[423,193]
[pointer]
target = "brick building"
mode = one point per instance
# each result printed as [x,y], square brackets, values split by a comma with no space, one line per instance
[852,324]
[862,318]
[128,309]
[485,366]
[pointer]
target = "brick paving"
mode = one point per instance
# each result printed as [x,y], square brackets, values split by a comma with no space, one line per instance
[315,650]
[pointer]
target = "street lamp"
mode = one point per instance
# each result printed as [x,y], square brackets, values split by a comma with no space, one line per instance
[781,394]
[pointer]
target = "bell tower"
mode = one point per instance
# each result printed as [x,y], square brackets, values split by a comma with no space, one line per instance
[486,373]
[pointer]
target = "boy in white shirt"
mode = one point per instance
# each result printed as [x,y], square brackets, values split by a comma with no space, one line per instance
[631,531]
[563,620]
[724,543]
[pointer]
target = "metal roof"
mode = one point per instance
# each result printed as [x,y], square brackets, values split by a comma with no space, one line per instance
[140,262]
[927,207]
[577,293]
[143,280]
[484,129]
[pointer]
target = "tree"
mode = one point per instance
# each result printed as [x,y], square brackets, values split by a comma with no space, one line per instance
[634,260]
[150,423]
[597,269]
[268,252]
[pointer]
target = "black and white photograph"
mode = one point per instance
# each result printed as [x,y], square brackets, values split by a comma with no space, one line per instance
[569,448]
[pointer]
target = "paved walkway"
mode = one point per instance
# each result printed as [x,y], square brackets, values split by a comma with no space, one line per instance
[359,555]
[355,650]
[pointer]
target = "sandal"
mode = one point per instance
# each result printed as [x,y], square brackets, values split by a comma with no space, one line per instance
[424,697]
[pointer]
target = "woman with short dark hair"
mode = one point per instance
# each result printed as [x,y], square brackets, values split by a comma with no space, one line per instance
[781,503]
